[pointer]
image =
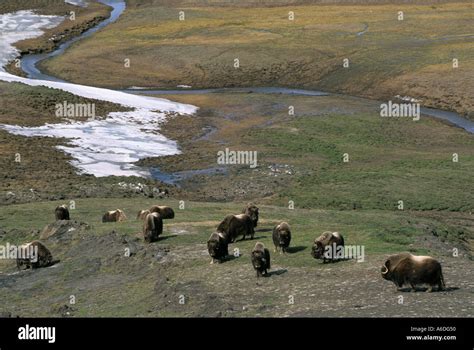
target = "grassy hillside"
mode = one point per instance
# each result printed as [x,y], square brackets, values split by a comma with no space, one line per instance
[389,159]
[95,270]
[387,57]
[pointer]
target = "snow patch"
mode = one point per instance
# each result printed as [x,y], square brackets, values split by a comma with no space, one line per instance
[99,147]
[81,3]
[19,26]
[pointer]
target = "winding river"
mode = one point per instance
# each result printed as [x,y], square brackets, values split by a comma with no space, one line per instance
[29,66]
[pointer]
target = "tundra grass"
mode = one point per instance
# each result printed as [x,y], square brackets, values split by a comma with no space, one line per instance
[387,57]
[379,231]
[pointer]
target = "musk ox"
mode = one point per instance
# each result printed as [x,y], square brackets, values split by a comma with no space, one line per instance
[33,255]
[218,247]
[62,212]
[142,214]
[235,225]
[114,216]
[164,211]
[281,237]
[260,259]
[252,211]
[152,227]
[407,269]
[322,243]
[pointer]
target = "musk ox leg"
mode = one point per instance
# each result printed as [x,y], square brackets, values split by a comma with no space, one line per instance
[441,284]
[212,261]
[430,289]
[413,287]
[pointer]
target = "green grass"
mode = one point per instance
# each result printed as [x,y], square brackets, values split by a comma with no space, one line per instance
[388,161]
[410,57]
[379,231]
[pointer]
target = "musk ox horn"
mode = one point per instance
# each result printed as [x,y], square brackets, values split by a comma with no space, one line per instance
[386,269]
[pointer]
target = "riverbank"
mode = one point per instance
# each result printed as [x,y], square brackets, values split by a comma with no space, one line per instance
[83,19]
[300,161]
[387,57]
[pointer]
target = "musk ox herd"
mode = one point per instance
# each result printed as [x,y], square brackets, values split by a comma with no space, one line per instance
[402,269]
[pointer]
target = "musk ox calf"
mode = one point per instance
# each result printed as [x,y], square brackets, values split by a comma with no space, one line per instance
[114,216]
[164,211]
[218,247]
[407,269]
[142,214]
[33,255]
[235,225]
[281,237]
[325,244]
[260,259]
[153,227]
[252,211]
[62,212]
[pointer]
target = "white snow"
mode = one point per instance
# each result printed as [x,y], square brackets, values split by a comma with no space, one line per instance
[407,99]
[99,147]
[18,26]
[129,100]
[184,86]
[81,3]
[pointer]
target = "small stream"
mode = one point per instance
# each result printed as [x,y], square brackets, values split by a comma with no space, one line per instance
[29,62]
[29,66]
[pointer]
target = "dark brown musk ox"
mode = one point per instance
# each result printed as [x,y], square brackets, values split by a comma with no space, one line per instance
[62,212]
[281,237]
[327,241]
[407,269]
[33,255]
[260,259]
[152,227]
[141,215]
[235,225]
[114,216]
[252,211]
[164,211]
[218,247]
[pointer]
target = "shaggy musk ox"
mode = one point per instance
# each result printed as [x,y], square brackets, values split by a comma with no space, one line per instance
[252,211]
[114,216]
[142,214]
[41,257]
[326,240]
[164,211]
[153,227]
[260,259]
[235,225]
[62,212]
[281,237]
[217,246]
[407,269]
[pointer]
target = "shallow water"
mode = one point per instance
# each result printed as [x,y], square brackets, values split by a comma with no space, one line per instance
[104,147]
[29,62]
[109,147]
[176,177]
[29,65]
